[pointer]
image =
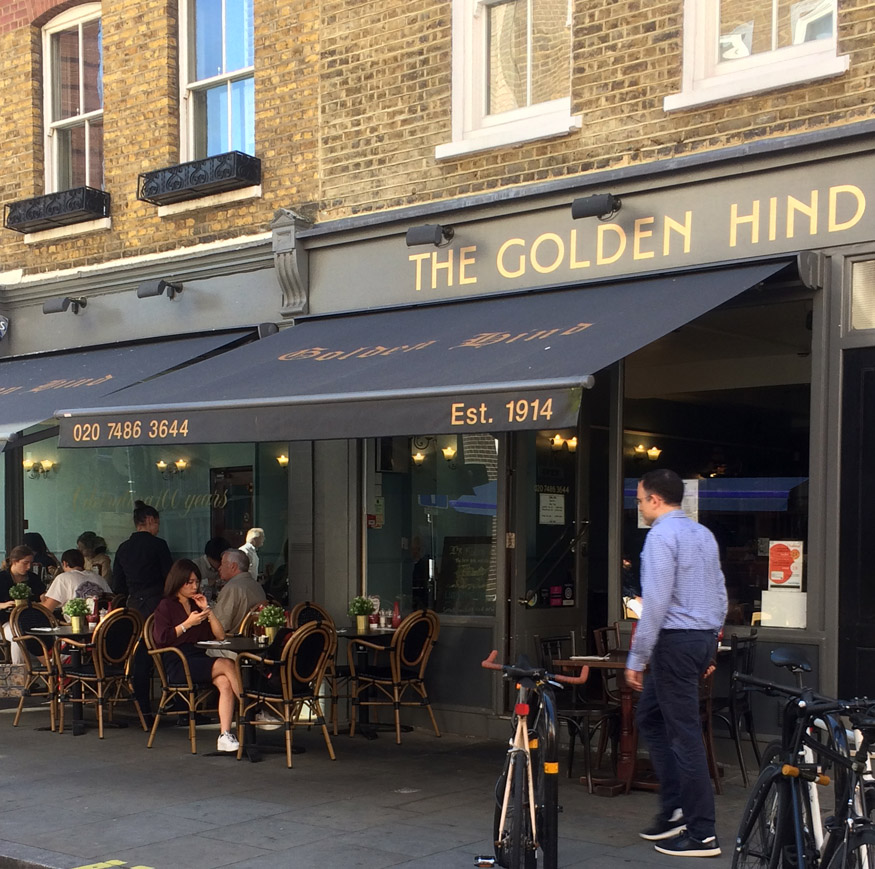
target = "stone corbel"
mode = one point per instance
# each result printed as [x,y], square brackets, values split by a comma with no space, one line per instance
[290,261]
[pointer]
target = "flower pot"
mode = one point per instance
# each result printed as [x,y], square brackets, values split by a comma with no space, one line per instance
[78,624]
[20,601]
[271,632]
[361,624]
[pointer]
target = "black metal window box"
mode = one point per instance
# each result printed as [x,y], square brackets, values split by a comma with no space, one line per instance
[205,177]
[63,208]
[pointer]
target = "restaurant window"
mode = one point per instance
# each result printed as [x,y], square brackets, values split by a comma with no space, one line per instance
[73,64]
[736,47]
[511,73]
[431,522]
[863,295]
[725,402]
[218,62]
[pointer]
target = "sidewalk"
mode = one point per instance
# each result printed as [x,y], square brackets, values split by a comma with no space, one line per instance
[81,802]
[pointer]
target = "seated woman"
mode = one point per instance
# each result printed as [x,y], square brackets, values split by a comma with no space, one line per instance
[182,619]
[15,569]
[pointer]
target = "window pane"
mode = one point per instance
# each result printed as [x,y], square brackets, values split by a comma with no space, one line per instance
[95,154]
[71,157]
[212,110]
[745,28]
[806,21]
[239,44]
[243,116]
[65,65]
[92,66]
[208,39]
[551,52]
[508,54]
[863,295]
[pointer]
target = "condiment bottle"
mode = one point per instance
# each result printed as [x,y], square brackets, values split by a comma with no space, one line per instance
[396,615]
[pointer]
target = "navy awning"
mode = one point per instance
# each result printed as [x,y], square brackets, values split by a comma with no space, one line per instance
[487,364]
[33,387]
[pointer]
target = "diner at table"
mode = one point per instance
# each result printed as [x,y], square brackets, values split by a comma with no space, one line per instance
[16,569]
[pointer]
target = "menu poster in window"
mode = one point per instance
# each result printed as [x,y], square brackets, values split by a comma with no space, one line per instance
[551,509]
[464,574]
[785,564]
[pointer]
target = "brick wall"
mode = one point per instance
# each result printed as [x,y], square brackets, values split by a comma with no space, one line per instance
[12,680]
[352,98]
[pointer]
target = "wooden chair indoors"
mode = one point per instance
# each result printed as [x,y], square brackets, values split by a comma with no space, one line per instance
[196,697]
[103,678]
[247,623]
[301,669]
[41,672]
[399,667]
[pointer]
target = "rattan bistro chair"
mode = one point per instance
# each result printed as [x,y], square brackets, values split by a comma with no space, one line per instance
[196,697]
[399,667]
[41,672]
[103,678]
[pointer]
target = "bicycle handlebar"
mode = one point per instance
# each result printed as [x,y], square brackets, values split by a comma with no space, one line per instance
[815,703]
[515,672]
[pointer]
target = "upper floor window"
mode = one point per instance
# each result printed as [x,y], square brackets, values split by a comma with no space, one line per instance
[218,85]
[737,47]
[73,67]
[511,73]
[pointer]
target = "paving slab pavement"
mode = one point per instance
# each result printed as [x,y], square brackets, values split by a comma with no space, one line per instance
[68,802]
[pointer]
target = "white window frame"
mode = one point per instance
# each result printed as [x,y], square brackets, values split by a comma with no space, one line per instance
[707,80]
[474,130]
[189,86]
[73,17]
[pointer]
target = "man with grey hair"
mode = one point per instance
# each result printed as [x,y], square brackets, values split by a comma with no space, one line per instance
[240,593]
[254,542]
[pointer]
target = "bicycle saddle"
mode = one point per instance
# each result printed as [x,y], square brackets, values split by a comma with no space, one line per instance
[791,659]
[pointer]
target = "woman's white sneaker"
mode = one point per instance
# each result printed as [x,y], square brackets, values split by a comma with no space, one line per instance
[227,742]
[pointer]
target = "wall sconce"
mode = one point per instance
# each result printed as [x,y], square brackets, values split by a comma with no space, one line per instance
[62,303]
[431,233]
[156,287]
[283,460]
[449,452]
[571,443]
[642,452]
[418,458]
[39,470]
[653,453]
[168,471]
[557,442]
[603,206]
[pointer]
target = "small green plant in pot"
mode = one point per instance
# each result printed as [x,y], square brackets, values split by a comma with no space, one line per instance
[76,609]
[20,592]
[360,608]
[271,617]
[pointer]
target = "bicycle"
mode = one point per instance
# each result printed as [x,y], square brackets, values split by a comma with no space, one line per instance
[780,819]
[526,816]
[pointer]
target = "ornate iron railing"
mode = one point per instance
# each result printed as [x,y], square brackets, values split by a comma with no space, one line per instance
[198,178]
[57,209]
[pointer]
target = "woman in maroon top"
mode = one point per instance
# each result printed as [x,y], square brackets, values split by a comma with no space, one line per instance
[183,618]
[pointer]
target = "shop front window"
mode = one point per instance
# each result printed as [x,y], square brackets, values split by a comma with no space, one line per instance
[431,516]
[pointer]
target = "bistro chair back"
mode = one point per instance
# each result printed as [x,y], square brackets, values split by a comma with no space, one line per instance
[287,687]
[247,624]
[196,698]
[398,668]
[41,674]
[102,675]
[336,675]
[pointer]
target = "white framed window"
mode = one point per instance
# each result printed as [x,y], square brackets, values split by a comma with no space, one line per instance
[218,84]
[738,47]
[511,73]
[73,99]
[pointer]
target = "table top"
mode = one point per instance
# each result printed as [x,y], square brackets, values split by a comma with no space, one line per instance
[61,631]
[234,644]
[612,661]
[377,634]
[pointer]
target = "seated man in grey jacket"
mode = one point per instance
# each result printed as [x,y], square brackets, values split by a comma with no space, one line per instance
[240,593]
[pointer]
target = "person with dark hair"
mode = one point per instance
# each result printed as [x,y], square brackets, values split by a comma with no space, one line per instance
[94,550]
[208,565]
[141,565]
[16,569]
[183,618]
[74,581]
[45,564]
[684,606]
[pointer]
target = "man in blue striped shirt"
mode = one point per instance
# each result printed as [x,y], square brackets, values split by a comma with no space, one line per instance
[684,606]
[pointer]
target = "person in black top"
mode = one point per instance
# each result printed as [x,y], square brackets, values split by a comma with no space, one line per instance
[141,565]
[44,563]
[15,569]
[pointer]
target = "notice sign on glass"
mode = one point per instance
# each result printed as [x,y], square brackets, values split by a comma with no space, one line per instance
[551,509]
[785,564]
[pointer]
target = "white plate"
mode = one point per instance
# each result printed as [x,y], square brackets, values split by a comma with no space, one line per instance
[589,657]
[214,643]
[46,630]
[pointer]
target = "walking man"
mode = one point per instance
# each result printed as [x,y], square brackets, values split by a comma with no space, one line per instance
[684,606]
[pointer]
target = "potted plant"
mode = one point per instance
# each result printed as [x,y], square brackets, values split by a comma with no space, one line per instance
[271,617]
[361,608]
[20,593]
[76,609]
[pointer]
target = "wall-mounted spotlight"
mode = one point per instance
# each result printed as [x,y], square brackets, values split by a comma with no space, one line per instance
[62,303]
[602,205]
[431,233]
[39,470]
[157,287]
[283,460]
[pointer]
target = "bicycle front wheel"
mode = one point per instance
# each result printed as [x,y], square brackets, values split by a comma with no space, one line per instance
[857,853]
[515,841]
[763,822]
